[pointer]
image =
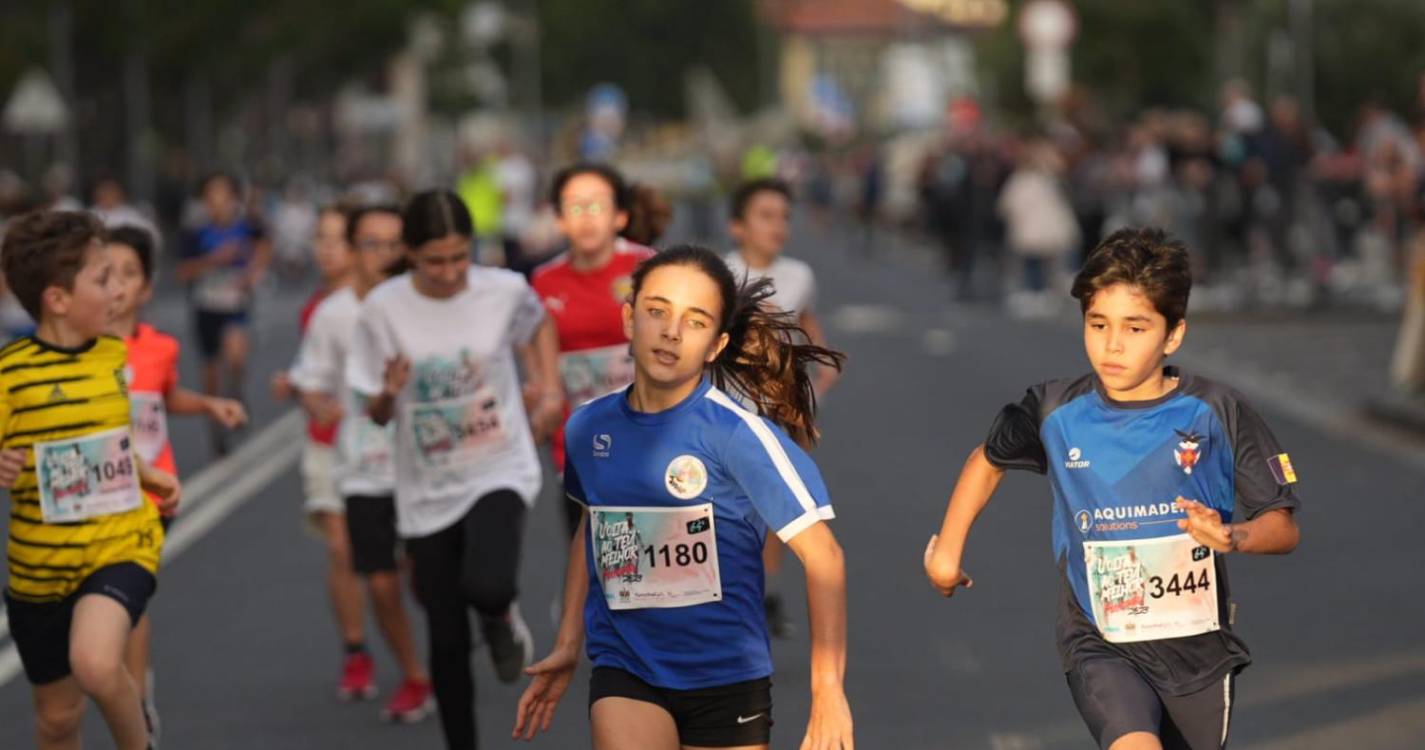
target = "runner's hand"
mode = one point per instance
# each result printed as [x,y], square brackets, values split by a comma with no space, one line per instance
[945,580]
[227,412]
[551,680]
[281,386]
[545,412]
[398,371]
[1205,525]
[12,462]
[829,727]
[163,486]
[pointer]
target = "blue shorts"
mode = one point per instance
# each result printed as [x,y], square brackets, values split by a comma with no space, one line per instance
[210,327]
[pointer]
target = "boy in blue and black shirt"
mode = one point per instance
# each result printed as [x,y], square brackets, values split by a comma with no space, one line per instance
[1157,474]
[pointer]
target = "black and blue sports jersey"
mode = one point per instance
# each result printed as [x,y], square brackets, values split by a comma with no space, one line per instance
[1116,469]
[679,503]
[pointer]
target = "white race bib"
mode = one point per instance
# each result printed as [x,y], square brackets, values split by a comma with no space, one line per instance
[592,373]
[87,476]
[454,435]
[149,420]
[366,447]
[655,557]
[222,290]
[1151,589]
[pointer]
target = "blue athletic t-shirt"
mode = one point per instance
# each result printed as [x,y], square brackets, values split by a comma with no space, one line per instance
[679,506]
[222,289]
[1116,469]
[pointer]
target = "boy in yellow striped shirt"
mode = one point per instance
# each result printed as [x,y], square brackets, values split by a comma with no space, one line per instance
[84,545]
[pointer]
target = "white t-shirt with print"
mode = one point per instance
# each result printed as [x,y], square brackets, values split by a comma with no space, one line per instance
[794,281]
[365,451]
[461,428]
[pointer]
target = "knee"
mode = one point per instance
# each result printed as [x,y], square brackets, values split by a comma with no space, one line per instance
[58,720]
[97,673]
[489,596]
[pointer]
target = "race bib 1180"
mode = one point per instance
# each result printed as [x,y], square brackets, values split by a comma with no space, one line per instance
[87,476]
[655,557]
[1150,589]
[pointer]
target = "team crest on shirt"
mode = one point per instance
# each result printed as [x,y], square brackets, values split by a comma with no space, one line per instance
[1189,450]
[686,477]
[1085,521]
[623,288]
[122,377]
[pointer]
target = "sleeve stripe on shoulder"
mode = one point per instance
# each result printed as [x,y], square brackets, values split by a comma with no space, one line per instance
[774,449]
[805,521]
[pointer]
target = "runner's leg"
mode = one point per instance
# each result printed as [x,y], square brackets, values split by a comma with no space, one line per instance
[1199,721]
[494,529]
[136,653]
[96,649]
[620,723]
[59,710]
[395,625]
[342,582]
[436,562]
[1119,706]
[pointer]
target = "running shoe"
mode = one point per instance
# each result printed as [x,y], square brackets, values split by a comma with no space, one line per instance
[412,702]
[511,645]
[778,623]
[357,678]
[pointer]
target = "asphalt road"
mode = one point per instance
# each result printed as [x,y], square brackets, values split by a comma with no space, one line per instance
[246,655]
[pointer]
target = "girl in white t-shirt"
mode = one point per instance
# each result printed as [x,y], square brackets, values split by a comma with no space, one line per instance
[435,352]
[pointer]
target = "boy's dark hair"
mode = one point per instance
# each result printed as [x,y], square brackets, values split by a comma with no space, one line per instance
[747,190]
[1146,258]
[353,219]
[140,240]
[44,249]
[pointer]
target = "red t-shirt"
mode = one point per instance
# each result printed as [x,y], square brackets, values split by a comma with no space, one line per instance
[321,434]
[587,308]
[152,374]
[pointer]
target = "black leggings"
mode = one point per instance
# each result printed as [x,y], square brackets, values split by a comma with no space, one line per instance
[474,562]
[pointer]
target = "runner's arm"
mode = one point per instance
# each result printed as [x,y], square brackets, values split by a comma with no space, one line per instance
[225,410]
[552,674]
[541,361]
[161,484]
[1272,533]
[825,566]
[825,376]
[977,484]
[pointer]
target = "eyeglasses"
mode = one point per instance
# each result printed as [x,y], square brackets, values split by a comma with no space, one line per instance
[592,208]
[374,245]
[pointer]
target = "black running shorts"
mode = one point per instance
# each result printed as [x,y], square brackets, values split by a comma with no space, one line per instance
[41,630]
[371,526]
[726,716]
[1115,699]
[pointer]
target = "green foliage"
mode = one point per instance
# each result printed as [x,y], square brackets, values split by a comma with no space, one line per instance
[646,46]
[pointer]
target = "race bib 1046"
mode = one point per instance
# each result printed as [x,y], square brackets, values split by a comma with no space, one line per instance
[149,420]
[87,476]
[592,373]
[1150,589]
[655,557]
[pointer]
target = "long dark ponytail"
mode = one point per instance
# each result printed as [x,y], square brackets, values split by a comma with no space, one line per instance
[768,355]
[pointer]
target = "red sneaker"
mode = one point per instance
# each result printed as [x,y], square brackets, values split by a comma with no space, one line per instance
[357,678]
[412,702]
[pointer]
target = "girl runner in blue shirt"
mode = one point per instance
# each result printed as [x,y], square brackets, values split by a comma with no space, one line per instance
[680,484]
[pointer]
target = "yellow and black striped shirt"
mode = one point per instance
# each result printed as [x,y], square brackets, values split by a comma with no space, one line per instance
[51,393]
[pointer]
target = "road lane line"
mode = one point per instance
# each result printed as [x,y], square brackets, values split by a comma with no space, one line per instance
[210,496]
